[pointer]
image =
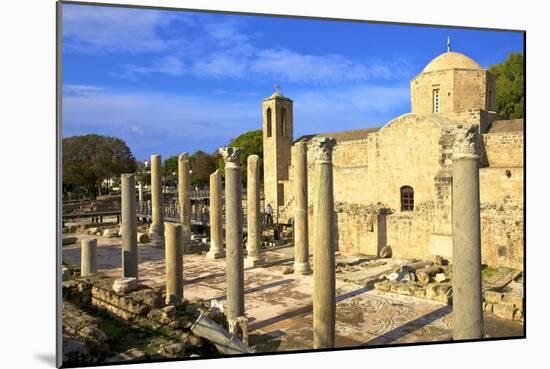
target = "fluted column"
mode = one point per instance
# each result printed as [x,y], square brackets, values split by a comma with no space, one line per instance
[157,226]
[88,257]
[174,263]
[216,241]
[324,277]
[184,186]
[233,232]
[467,296]
[254,225]
[129,227]
[301,242]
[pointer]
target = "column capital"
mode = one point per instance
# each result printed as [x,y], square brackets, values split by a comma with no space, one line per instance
[231,156]
[322,148]
[465,145]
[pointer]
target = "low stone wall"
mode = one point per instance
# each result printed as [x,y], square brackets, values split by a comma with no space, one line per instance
[441,292]
[504,305]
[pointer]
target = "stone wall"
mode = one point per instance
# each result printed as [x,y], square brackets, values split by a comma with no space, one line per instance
[503,149]
[414,150]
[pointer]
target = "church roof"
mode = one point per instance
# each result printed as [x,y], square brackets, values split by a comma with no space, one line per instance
[451,60]
[511,125]
[356,134]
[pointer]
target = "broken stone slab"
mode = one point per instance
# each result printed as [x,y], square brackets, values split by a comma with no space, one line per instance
[110,233]
[125,285]
[69,240]
[440,277]
[226,343]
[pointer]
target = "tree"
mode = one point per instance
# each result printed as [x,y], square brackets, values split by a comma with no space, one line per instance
[250,142]
[510,96]
[202,165]
[90,159]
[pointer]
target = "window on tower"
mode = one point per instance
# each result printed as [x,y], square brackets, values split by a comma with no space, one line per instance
[283,122]
[268,117]
[437,101]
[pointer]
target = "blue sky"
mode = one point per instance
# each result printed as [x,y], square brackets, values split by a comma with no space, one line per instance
[168,82]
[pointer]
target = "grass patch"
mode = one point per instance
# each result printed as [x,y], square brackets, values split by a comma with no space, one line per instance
[488,272]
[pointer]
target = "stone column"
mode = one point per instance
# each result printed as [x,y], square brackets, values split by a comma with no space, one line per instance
[174,263]
[301,242]
[233,232]
[253,218]
[88,257]
[324,273]
[140,192]
[216,242]
[129,227]
[467,297]
[157,226]
[184,186]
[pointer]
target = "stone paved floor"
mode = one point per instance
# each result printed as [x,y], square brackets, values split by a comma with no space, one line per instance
[279,306]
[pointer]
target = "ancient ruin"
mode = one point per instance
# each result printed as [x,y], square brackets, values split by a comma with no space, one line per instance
[411,232]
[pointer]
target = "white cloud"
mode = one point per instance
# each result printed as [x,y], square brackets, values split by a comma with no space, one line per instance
[169,65]
[89,29]
[80,90]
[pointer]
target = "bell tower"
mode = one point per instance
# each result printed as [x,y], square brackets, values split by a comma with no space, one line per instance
[277,126]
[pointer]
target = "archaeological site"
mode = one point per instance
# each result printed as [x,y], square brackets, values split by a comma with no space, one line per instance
[405,233]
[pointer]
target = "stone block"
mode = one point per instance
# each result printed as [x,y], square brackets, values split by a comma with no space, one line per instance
[125,285]
[404,290]
[493,297]
[515,300]
[432,290]
[420,292]
[487,306]
[69,240]
[504,310]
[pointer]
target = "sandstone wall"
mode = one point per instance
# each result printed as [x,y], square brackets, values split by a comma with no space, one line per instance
[414,150]
[503,149]
[502,221]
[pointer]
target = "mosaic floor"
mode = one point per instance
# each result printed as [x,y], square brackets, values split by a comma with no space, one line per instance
[279,306]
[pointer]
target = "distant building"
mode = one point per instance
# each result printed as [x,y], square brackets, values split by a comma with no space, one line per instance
[392,184]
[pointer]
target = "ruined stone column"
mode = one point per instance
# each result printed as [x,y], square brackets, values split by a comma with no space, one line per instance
[216,242]
[301,243]
[253,219]
[140,192]
[129,226]
[157,226]
[184,186]
[324,272]
[88,257]
[467,297]
[174,263]
[233,232]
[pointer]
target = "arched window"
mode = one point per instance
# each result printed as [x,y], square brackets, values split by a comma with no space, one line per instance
[268,117]
[283,122]
[407,198]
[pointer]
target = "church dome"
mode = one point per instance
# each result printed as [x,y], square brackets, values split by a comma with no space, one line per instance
[451,60]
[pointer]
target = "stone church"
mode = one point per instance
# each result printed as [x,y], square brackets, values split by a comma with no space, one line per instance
[393,184]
